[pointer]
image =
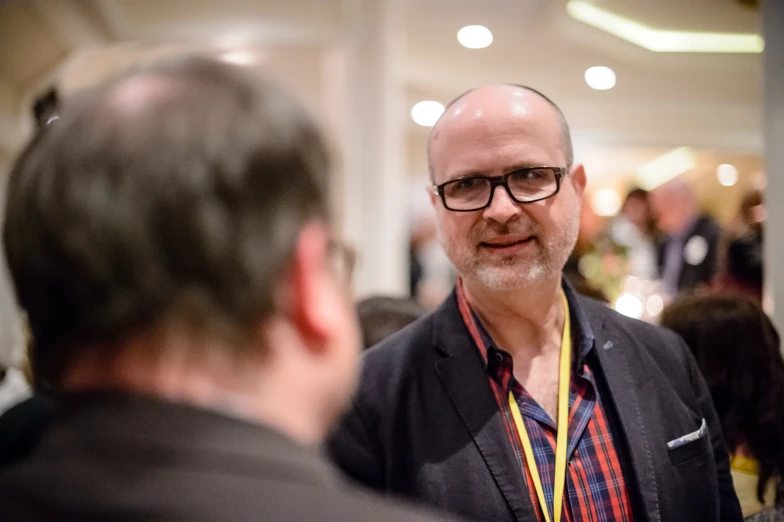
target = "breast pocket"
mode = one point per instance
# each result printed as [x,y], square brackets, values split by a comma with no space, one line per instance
[691,490]
[690,447]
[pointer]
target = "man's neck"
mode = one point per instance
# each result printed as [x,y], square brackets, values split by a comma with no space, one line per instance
[253,391]
[522,322]
[528,325]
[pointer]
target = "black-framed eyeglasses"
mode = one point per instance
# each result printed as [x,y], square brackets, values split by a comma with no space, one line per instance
[528,185]
[342,259]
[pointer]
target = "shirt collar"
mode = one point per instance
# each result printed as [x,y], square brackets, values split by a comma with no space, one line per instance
[583,336]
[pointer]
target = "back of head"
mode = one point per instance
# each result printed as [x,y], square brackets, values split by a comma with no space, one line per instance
[738,351]
[380,317]
[170,196]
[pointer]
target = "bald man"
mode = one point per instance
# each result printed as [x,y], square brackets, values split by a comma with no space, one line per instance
[688,257]
[517,391]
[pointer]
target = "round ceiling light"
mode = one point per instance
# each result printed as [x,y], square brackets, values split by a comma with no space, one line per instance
[475,37]
[727,174]
[426,113]
[600,78]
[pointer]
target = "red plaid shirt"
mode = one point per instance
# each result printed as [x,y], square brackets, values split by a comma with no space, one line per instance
[597,468]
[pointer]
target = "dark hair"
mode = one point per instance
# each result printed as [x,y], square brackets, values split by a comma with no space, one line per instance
[737,348]
[637,193]
[380,317]
[643,196]
[173,194]
[565,132]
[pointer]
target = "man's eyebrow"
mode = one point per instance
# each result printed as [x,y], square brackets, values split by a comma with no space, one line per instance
[507,170]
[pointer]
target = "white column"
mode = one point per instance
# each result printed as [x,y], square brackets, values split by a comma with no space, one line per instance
[373,184]
[773,21]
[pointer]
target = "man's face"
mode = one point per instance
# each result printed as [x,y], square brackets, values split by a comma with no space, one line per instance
[507,246]
[668,207]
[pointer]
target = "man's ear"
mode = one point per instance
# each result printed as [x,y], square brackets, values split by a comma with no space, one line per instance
[578,179]
[433,196]
[312,287]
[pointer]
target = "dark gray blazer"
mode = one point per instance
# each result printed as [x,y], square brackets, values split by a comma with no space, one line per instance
[124,458]
[425,423]
[702,273]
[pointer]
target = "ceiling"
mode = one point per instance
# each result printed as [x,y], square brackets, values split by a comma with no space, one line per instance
[711,102]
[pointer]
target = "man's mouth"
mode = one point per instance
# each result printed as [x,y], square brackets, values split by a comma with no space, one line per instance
[500,243]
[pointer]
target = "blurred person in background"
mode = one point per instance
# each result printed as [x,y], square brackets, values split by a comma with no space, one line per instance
[689,252]
[432,275]
[422,233]
[169,239]
[635,229]
[480,407]
[741,262]
[737,348]
[381,316]
[14,384]
[588,238]
[14,387]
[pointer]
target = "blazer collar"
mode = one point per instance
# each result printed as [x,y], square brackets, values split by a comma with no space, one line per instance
[190,436]
[462,373]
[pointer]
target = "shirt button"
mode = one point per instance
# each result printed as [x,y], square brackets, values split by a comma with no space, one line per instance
[499,357]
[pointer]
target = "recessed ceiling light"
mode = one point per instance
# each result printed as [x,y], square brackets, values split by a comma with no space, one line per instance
[727,175]
[426,113]
[600,78]
[659,40]
[666,167]
[475,36]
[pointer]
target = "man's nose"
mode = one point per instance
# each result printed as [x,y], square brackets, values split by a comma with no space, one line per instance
[503,207]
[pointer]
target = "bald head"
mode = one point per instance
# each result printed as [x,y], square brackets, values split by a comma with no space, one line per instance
[674,205]
[502,101]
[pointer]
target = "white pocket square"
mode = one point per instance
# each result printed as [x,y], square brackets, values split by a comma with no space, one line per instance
[691,437]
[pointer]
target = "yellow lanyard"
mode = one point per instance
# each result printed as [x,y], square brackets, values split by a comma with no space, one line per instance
[563,427]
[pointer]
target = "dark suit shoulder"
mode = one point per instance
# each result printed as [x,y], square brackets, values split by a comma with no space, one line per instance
[650,343]
[387,365]
[707,227]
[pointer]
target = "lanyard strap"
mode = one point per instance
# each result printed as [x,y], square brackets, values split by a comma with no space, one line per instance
[563,427]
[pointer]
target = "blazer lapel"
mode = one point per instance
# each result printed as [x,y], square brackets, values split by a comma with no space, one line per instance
[623,394]
[464,378]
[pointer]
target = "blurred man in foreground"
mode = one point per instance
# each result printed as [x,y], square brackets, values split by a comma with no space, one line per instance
[517,399]
[169,240]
